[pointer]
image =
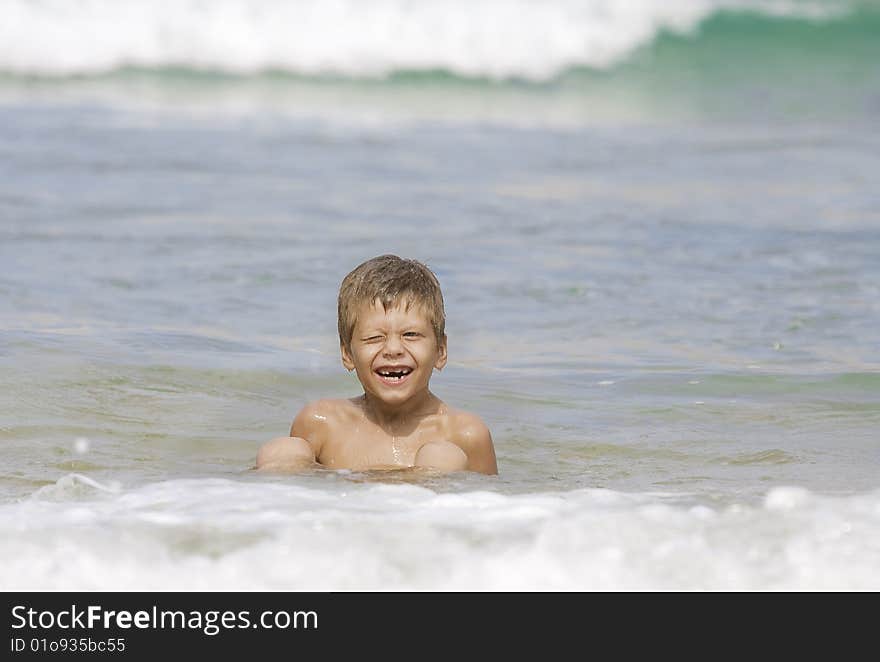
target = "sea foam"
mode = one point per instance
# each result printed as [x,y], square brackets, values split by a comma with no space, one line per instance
[204,534]
[352,38]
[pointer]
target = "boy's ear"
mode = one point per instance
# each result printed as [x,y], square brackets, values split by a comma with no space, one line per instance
[347,361]
[441,354]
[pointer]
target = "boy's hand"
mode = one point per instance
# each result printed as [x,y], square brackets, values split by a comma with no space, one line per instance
[441,456]
[285,454]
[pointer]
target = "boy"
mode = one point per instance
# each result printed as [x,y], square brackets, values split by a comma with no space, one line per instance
[392,334]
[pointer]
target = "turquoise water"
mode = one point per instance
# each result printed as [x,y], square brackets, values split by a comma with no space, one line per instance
[662,279]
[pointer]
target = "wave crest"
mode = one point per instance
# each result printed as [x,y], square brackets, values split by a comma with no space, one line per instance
[493,39]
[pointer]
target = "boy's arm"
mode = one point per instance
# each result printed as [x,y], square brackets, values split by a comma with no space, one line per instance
[474,438]
[285,454]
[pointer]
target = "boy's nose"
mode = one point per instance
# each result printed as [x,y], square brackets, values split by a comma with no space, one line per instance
[393,346]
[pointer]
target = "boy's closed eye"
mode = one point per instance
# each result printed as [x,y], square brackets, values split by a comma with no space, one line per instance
[409,334]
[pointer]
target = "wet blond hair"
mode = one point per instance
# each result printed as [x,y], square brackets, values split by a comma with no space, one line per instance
[392,280]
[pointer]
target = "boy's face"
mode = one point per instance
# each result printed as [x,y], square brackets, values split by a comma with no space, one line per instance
[394,352]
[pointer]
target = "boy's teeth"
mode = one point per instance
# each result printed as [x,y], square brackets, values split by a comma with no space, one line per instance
[394,374]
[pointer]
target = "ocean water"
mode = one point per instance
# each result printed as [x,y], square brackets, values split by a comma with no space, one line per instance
[657,229]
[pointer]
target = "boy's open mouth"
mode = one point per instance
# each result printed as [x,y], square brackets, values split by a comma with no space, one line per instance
[393,374]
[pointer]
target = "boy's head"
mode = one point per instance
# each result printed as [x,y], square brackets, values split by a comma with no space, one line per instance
[392,281]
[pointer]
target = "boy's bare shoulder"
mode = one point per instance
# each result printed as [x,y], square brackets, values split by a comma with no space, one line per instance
[326,410]
[468,429]
[471,434]
[317,420]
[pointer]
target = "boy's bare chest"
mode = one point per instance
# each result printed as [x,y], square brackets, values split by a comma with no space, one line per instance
[367,446]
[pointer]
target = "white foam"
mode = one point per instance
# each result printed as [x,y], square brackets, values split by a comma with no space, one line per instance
[75,485]
[786,498]
[221,534]
[534,39]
